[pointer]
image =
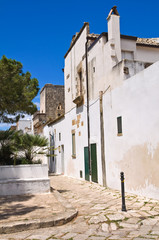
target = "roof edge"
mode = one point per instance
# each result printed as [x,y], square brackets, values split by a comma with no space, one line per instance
[50,85]
[55,120]
[147,45]
[81,30]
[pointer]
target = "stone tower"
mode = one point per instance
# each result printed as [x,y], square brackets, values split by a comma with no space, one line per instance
[52,106]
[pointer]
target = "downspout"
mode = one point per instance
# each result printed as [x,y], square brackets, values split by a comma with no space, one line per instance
[102,139]
[88,123]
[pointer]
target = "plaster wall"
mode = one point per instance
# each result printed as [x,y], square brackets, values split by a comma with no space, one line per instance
[96,63]
[46,160]
[24,179]
[76,121]
[147,54]
[23,171]
[73,62]
[114,34]
[102,57]
[25,125]
[21,187]
[128,45]
[103,62]
[136,151]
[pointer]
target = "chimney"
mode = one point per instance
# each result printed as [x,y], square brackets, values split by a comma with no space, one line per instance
[114,31]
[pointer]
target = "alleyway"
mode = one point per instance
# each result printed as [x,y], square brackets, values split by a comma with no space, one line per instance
[100,215]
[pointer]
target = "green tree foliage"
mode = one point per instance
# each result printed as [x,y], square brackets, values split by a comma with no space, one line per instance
[17,91]
[33,145]
[19,148]
[6,147]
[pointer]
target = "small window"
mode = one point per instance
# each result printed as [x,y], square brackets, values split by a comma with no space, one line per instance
[80,80]
[119,126]
[59,136]
[59,106]
[73,145]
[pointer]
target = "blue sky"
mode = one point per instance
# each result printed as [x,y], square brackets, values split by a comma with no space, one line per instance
[38,32]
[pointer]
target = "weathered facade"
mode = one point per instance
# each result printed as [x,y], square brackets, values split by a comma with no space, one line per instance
[52,106]
[111,105]
[25,126]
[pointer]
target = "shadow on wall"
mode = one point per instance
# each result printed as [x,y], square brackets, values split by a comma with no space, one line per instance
[79,109]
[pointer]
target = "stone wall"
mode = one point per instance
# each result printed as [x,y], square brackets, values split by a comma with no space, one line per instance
[54,101]
[52,106]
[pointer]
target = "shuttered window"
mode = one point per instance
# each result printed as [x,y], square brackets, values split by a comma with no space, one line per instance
[119,125]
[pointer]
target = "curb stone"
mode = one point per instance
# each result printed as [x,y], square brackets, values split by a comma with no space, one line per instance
[60,219]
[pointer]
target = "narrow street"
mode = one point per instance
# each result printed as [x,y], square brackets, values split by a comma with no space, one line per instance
[99,215]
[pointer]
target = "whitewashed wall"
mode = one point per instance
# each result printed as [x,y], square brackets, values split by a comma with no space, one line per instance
[136,152]
[23,171]
[147,54]
[24,179]
[72,61]
[129,98]
[72,166]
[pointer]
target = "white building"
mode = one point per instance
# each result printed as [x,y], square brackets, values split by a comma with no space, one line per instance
[25,125]
[123,83]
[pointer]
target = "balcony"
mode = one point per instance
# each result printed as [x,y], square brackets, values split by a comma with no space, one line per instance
[38,119]
[78,100]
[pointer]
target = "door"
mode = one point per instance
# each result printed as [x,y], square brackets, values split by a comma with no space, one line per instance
[86,163]
[51,158]
[93,163]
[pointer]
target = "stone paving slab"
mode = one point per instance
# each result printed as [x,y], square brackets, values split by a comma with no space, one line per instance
[99,215]
[27,212]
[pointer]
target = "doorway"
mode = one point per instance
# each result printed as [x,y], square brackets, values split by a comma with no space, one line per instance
[94,170]
[51,158]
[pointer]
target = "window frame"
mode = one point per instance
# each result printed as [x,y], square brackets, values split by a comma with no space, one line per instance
[73,145]
[119,126]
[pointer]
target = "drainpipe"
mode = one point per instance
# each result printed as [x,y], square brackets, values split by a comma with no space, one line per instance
[102,139]
[88,124]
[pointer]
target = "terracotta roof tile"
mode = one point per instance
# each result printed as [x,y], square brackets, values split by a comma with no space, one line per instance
[148,41]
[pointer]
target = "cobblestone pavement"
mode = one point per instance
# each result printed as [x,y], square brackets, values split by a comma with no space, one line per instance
[27,207]
[100,215]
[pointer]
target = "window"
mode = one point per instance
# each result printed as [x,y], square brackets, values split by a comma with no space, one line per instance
[59,136]
[119,126]
[59,106]
[73,145]
[80,81]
